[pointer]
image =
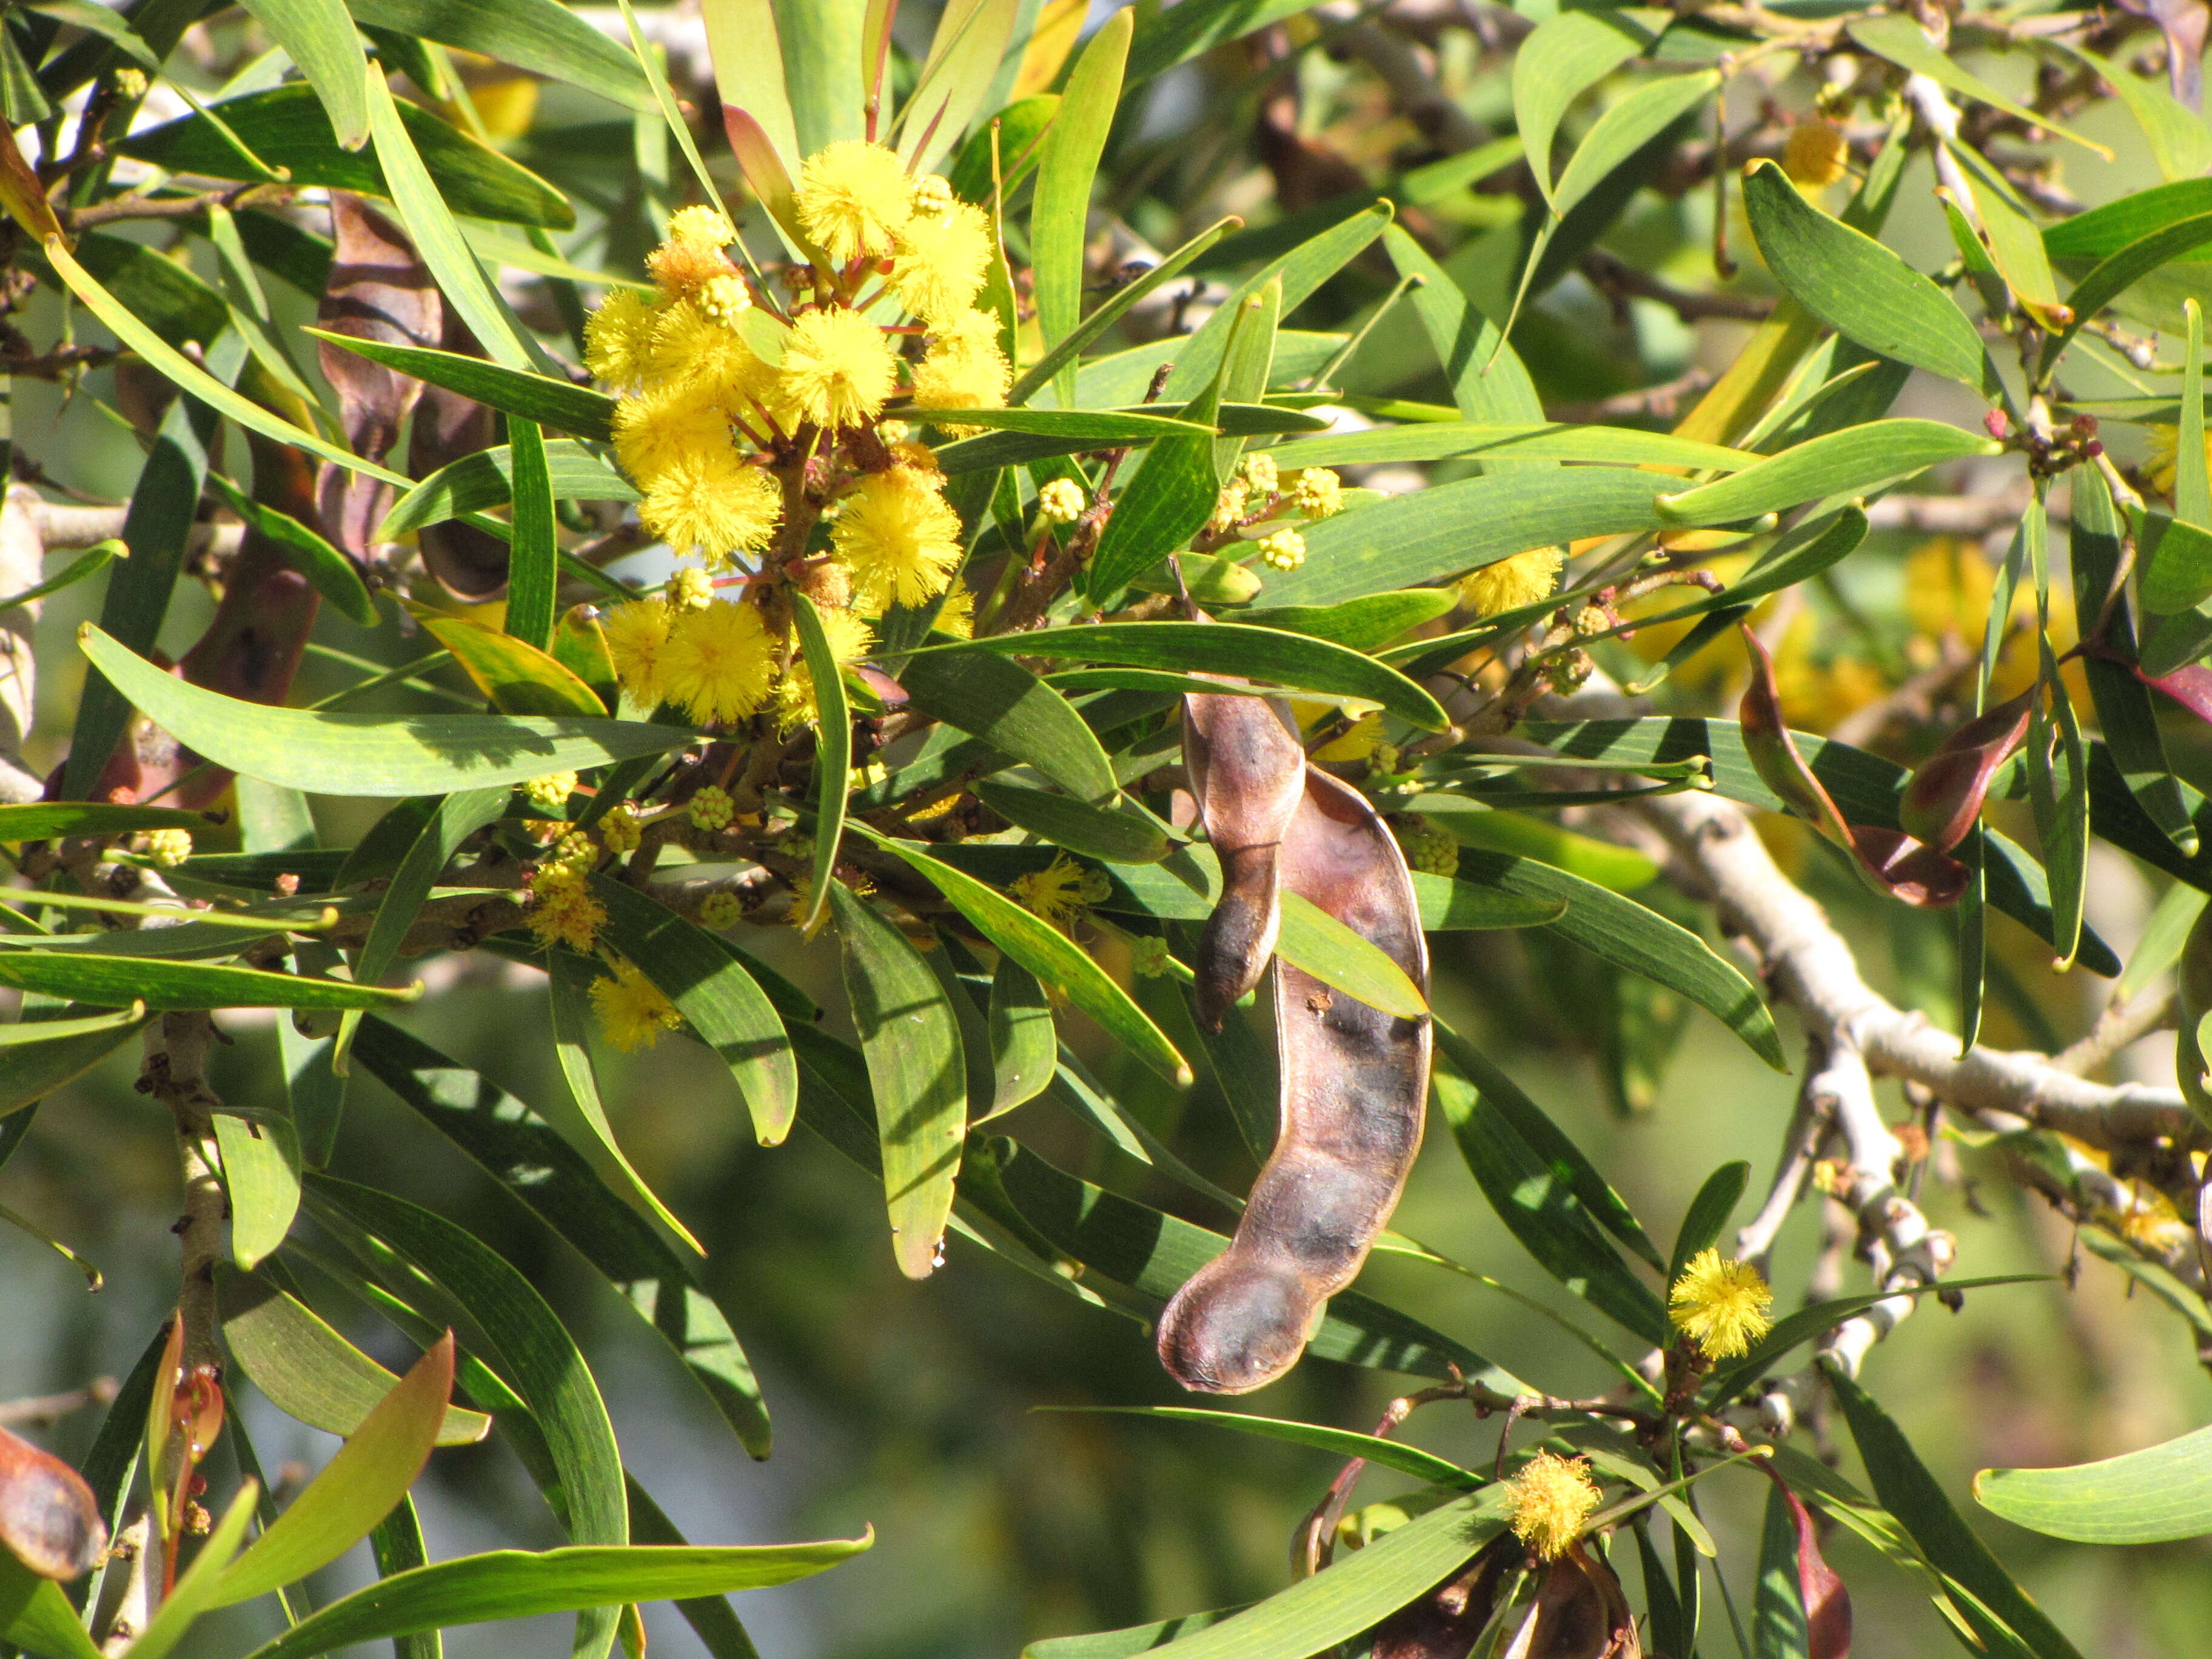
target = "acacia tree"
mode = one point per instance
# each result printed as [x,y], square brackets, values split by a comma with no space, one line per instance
[1018,640]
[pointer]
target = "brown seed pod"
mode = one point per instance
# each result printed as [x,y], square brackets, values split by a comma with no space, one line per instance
[48,1516]
[1354,1080]
[1247,770]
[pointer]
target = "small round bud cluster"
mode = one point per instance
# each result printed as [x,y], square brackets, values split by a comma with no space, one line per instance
[1816,154]
[712,808]
[1591,619]
[725,300]
[1229,509]
[933,195]
[622,829]
[574,851]
[1427,848]
[1258,470]
[1284,550]
[1316,492]
[131,84]
[166,848]
[1571,672]
[690,589]
[1060,501]
[1148,956]
[718,911]
[550,793]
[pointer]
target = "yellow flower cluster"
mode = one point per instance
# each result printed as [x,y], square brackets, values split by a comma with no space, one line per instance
[1060,893]
[1552,1497]
[745,420]
[633,1013]
[1508,585]
[1258,498]
[1721,1305]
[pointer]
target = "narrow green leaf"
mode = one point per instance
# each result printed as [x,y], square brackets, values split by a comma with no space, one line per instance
[2158,1494]
[379,756]
[1896,37]
[517,1149]
[540,398]
[308,1369]
[89,563]
[971,39]
[1488,381]
[356,1489]
[1164,505]
[744,38]
[506,1585]
[396,1545]
[1625,128]
[1060,210]
[1856,285]
[911,1039]
[261,1179]
[518,676]
[532,565]
[117,981]
[1342,1443]
[568,994]
[1857,460]
[723,1003]
[1301,271]
[36,1616]
[1361,624]
[452,820]
[1050,955]
[540,35]
[329,571]
[1708,1214]
[438,239]
[833,753]
[2121,270]
[1541,1210]
[1015,713]
[196,1590]
[319,37]
[45,820]
[37,1065]
[1348,960]
[1259,654]
[1112,310]
[1566,56]
[288,122]
[1504,440]
[1910,1493]
[1024,1044]
[2179,142]
[1117,835]
[1777,1618]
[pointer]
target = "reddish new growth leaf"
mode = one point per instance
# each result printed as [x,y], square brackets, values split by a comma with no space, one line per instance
[1905,869]
[48,1516]
[1945,795]
[1820,1586]
[2190,685]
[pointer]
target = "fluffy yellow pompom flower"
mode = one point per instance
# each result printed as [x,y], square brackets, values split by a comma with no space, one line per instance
[1060,893]
[838,368]
[718,662]
[1552,1498]
[637,635]
[1816,154]
[616,337]
[941,260]
[1512,583]
[956,617]
[963,368]
[898,538]
[633,1013]
[853,198]
[714,502]
[702,226]
[660,428]
[691,349]
[1721,1305]
[562,910]
[796,704]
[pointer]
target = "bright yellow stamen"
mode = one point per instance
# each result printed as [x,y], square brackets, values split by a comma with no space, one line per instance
[715,503]
[1512,583]
[963,368]
[637,637]
[633,1013]
[658,430]
[1552,1497]
[616,337]
[563,911]
[853,198]
[718,662]
[898,538]
[942,260]
[1721,1305]
[1060,893]
[849,641]
[838,368]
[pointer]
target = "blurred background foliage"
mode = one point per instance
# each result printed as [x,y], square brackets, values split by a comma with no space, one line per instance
[920,1408]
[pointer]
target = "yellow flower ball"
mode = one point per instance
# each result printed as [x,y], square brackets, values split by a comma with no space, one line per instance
[963,368]
[1512,583]
[616,337]
[853,198]
[838,368]
[898,538]
[633,1013]
[1721,1305]
[1816,154]
[719,662]
[637,635]
[1552,1498]
[657,430]
[713,504]
[702,226]
[691,349]
[941,261]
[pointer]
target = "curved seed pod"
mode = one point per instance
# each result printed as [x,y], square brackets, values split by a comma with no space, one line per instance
[1355,1083]
[1944,797]
[48,1516]
[1248,770]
